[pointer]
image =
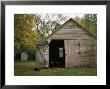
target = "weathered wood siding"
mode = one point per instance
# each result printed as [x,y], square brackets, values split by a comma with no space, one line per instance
[80,53]
[70,31]
[88,53]
[80,46]
[38,57]
[70,34]
[71,50]
[45,54]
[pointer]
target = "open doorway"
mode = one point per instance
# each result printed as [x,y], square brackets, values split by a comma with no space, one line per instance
[56,53]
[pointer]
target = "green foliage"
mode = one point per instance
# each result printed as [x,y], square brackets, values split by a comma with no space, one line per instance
[24,37]
[47,24]
[28,28]
[89,22]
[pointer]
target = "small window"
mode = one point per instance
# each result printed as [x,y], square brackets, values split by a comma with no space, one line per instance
[60,52]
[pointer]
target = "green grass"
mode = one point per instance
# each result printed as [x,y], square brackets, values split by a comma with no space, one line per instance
[26,68]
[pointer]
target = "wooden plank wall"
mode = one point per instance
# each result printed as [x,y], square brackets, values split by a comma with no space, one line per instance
[70,34]
[72,57]
[80,53]
[45,53]
[80,47]
[88,53]
[38,58]
[71,31]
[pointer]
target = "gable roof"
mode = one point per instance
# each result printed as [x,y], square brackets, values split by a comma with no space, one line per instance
[71,19]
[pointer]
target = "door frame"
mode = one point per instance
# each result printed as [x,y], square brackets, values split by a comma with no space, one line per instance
[63,65]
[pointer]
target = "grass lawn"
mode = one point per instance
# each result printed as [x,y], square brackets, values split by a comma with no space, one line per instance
[26,68]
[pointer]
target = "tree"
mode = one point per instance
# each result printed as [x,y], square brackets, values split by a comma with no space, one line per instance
[89,22]
[30,27]
[47,24]
[24,37]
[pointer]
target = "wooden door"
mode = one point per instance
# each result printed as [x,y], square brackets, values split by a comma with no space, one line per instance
[71,53]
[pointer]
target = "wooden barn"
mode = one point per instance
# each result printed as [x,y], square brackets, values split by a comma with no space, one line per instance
[69,46]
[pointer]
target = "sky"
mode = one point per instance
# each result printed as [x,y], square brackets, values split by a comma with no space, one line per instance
[73,15]
[68,15]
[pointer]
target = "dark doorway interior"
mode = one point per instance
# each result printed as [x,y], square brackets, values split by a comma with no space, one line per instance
[56,53]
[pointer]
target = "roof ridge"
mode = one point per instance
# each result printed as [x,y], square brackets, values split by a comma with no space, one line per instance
[64,24]
[76,23]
